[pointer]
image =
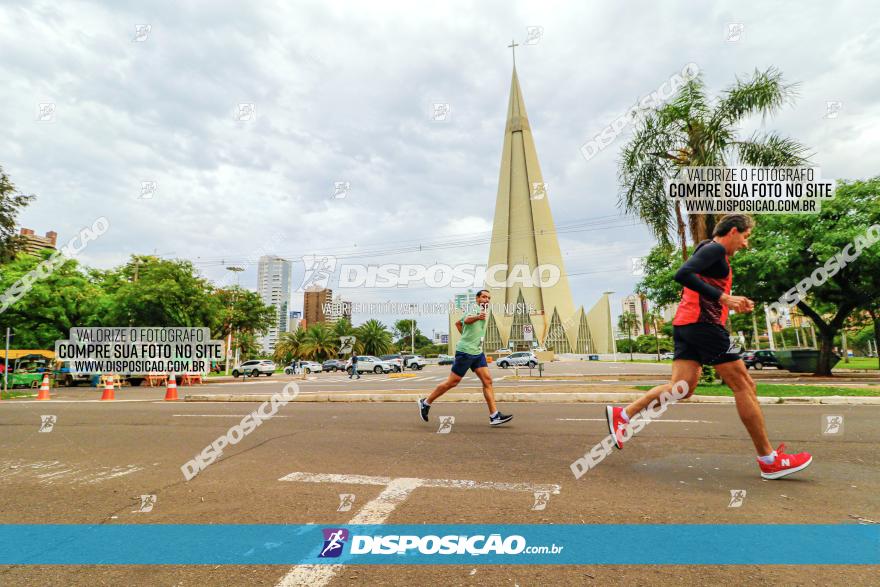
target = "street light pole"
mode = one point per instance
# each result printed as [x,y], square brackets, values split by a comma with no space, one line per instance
[235,270]
[6,362]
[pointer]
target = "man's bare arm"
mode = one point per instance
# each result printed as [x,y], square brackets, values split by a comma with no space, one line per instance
[472,319]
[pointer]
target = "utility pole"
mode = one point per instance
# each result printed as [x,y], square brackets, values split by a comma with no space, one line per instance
[769,329]
[6,362]
[235,270]
[755,331]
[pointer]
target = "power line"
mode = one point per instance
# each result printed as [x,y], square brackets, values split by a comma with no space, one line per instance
[422,247]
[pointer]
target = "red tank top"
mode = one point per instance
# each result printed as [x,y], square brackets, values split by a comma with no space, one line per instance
[695,308]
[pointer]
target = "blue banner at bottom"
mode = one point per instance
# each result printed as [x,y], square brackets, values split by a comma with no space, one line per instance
[523,544]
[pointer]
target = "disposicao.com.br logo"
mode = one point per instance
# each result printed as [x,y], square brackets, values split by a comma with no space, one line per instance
[453,544]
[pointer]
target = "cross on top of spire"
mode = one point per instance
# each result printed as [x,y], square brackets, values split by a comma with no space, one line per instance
[513,45]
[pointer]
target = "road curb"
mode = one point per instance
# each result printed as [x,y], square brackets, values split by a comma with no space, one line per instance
[539,397]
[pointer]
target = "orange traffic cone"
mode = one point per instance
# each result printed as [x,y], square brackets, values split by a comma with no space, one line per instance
[108,389]
[171,389]
[44,387]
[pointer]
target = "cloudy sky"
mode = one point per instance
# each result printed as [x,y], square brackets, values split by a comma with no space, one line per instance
[343,92]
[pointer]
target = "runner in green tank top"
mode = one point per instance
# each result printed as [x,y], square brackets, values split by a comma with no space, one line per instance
[469,355]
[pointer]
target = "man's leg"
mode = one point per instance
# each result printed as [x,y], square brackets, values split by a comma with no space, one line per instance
[488,391]
[682,370]
[450,382]
[737,378]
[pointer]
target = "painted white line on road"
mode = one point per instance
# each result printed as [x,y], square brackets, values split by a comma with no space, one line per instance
[396,491]
[605,420]
[48,472]
[217,416]
[73,401]
[444,483]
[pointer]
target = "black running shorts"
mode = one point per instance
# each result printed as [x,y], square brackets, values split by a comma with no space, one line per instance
[708,344]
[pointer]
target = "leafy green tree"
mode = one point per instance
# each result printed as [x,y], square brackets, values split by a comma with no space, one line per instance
[786,249]
[627,322]
[403,330]
[11,204]
[148,291]
[65,298]
[247,345]
[431,350]
[236,309]
[658,283]
[373,338]
[692,129]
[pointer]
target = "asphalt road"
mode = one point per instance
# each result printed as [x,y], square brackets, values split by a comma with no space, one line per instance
[100,457]
[593,377]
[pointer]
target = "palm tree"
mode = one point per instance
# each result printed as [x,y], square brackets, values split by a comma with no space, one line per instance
[655,319]
[343,327]
[373,338]
[319,342]
[628,322]
[693,130]
[288,346]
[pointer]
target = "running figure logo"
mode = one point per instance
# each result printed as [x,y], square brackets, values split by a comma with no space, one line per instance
[737,497]
[147,503]
[334,540]
[832,425]
[446,423]
[539,190]
[541,500]
[318,271]
[346,344]
[341,189]
[47,423]
[346,500]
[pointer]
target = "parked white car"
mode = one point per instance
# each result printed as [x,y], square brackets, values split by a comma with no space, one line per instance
[254,368]
[370,364]
[415,362]
[305,367]
[526,358]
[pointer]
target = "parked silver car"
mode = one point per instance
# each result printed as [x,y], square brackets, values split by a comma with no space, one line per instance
[526,358]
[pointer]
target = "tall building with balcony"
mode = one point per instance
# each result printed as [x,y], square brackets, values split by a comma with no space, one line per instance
[638,305]
[337,310]
[273,286]
[33,243]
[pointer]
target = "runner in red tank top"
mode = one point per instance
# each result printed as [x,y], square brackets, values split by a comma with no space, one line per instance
[700,337]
